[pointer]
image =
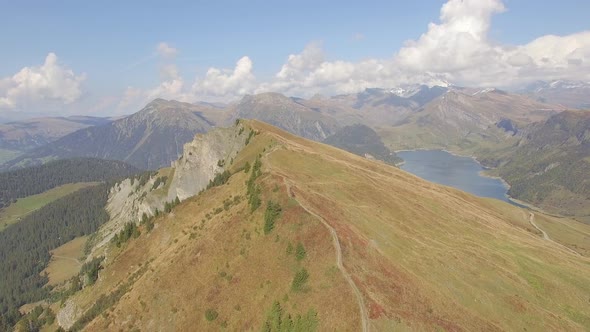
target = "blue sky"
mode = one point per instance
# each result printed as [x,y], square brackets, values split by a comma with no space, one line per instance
[113,43]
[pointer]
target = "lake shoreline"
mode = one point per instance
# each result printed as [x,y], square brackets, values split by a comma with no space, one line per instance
[509,199]
[481,173]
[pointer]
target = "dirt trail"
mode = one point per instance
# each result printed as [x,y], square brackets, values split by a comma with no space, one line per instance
[546,236]
[357,292]
[68,258]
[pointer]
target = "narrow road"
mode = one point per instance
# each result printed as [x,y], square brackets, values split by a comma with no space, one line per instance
[546,236]
[532,221]
[68,258]
[357,292]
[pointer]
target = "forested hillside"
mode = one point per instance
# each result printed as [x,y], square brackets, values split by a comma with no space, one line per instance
[361,140]
[25,246]
[37,179]
[550,166]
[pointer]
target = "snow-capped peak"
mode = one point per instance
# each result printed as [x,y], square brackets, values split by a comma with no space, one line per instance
[406,91]
[486,90]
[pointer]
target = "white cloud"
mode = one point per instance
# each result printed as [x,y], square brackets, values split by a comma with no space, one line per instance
[458,42]
[455,49]
[298,64]
[34,85]
[226,82]
[135,98]
[166,51]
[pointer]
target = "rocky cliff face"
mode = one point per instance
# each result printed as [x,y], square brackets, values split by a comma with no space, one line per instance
[204,157]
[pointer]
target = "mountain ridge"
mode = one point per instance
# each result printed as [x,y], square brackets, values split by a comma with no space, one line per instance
[148,139]
[422,256]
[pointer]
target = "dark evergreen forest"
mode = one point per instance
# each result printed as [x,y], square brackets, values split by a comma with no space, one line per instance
[37,179]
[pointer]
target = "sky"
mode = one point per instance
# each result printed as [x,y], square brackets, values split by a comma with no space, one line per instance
[112,57]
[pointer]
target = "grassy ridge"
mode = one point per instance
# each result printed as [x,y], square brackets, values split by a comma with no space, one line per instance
[424,257]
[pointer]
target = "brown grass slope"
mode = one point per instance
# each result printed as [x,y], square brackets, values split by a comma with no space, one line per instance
[422,256]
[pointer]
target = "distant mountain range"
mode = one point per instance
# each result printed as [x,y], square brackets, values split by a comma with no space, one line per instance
[28,134]
[572,94]
[289,114]
[148,139]
[464,119]
[487,123]
[406,117]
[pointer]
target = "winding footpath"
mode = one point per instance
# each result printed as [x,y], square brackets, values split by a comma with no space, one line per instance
[68,258]
[546,236]
[357,292]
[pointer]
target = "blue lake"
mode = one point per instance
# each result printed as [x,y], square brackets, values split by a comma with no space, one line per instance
[459,172]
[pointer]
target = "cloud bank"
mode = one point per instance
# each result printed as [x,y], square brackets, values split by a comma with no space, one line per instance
[454,50]
[32,86]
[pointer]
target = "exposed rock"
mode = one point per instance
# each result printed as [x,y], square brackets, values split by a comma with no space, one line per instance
[66,317]
[207,155]
[204,157]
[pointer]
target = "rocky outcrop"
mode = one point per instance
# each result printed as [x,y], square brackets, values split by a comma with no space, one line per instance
[204,157]
[67,316]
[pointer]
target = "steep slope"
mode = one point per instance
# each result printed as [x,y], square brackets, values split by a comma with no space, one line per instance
[285,113]
[344,242]
[363,141]
[25,244]
[466,119]
[202,159]
[148,139]
[550,165]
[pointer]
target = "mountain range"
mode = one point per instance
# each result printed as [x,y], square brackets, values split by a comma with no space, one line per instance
[20,136]
[467,121]
[572,94]
[248,225]
[148,139]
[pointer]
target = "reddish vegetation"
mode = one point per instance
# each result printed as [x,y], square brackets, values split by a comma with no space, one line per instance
[375,310]
[516,303]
